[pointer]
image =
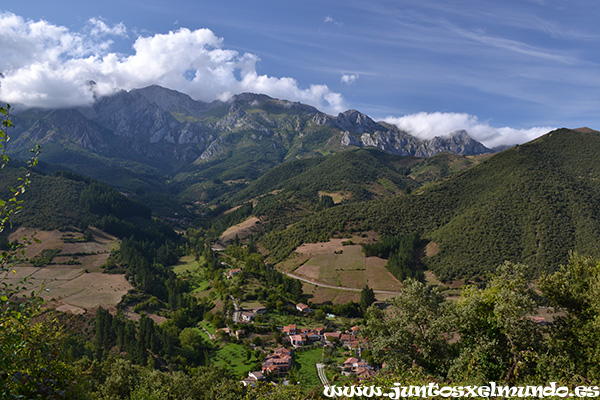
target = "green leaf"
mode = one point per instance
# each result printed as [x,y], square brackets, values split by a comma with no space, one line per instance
[3,298]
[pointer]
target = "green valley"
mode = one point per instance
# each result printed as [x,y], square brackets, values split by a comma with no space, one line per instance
[270,249]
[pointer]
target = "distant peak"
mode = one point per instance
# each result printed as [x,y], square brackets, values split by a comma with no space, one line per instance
[249,97]
[355,121]
[354,115]
[350,112]
[585,129]
[460,133]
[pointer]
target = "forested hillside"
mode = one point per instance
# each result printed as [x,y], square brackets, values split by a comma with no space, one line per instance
[533,203]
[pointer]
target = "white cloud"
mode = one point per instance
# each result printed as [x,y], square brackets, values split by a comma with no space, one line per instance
[99,27]
[428,125]
[330,20]
[49,66]
[349,79]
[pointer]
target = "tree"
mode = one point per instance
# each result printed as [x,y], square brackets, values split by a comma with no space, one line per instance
[190,337]
[319,315]
[498,339]
[367,297]
[326,201]
[412,330]
[573,353]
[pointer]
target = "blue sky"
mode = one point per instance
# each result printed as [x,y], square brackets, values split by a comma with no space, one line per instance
[507,71]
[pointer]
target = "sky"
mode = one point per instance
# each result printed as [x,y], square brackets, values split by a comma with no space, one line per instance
[506,71]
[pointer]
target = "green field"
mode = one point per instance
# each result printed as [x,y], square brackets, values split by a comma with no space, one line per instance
[233,356]
[305,367]
[191,270]
[187,265]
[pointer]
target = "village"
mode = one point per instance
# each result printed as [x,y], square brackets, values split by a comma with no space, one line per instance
[280,360]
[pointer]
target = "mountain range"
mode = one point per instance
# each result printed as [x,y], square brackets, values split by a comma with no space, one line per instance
[169,130]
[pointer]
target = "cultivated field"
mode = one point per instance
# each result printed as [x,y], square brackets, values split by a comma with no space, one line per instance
[319,295]
[72,280]
[335,264]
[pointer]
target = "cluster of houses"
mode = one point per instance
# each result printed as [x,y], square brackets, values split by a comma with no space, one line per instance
[278,363]
[306,336]
[301,337]
[356,367]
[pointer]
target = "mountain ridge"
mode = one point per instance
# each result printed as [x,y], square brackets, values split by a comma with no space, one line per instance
[155,122]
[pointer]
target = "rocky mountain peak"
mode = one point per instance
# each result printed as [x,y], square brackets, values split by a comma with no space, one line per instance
[355,121]
[250,98]
[460,134]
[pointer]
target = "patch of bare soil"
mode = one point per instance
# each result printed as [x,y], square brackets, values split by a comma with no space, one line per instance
[320,295]
[433,280]
[242,230]
[313,249]
[70,309]
[337,197]
[130,314]
[379,277]
[431,249]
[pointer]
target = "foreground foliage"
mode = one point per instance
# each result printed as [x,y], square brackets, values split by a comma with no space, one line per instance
[489,334]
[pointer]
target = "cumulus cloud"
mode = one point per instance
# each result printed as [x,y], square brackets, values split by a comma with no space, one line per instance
[429,125]
[45,65]
[99,28]
[349,79]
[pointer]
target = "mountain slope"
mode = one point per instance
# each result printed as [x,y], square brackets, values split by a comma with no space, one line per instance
[363,173]
[65,199]
[533,203]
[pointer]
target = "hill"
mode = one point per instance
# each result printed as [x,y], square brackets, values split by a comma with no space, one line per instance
[533,203]
[298,188]
[362,173]
[65,199]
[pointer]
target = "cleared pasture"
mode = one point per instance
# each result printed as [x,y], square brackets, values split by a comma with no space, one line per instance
[70,287]
[319,295]
[333,263]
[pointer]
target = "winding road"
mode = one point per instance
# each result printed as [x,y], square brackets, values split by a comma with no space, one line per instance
[337,287]
[236,312]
